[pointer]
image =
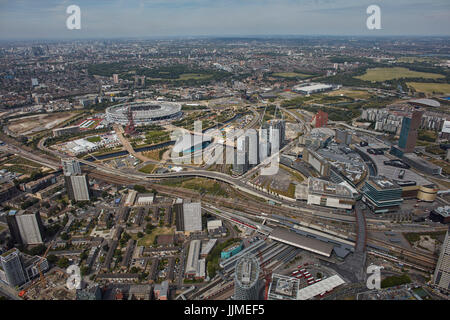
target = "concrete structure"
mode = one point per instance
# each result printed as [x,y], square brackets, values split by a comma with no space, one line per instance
[441,214]
[283,287]
[143,112]
[343,137]
[213,224]
[246,279]
[441,276]
[146,198]
[192,263]
[131,198]
[207,247]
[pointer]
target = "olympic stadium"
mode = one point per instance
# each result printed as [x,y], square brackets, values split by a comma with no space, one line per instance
[143,112]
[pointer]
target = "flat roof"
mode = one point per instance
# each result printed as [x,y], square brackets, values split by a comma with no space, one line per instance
[319,287]
[302,242]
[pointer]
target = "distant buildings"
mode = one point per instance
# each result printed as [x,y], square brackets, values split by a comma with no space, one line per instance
[58,132]
[441,276]
[25,227]
[312,88]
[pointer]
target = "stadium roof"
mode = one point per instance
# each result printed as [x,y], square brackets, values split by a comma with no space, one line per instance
[320,287]
[302,242]
[426,102]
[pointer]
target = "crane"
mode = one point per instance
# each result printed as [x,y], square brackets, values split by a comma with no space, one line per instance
[41,274]
[267,275]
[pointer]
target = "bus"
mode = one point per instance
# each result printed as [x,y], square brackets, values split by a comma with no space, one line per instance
[299,267]
[295,272]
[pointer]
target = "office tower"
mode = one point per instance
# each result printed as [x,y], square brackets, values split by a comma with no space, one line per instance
[116,78]
[442,273]
[25,227]
[12,270]
[77,187]
[264,143]
[343,137]
[279,125]
[409,131]
[246,279]
[70,167]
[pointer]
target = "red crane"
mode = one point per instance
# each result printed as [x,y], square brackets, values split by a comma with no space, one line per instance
[130,129]
[267,275]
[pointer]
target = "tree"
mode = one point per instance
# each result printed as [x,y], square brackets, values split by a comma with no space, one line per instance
[140,234]
[52,258]
[63,263]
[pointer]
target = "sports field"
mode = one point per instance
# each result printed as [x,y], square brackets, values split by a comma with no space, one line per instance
[430,88]
[384,74]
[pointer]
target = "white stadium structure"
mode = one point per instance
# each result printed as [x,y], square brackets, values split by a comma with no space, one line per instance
[143,112]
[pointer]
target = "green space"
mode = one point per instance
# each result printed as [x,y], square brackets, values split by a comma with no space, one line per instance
[427,135]
[149,239]
[202,185]
[294,75]
[213,258]
[443,164]
[430,88]
[94,139]
[384,74]
[148,168]
[435,149]
[395,281]
[20,165]
[413,237]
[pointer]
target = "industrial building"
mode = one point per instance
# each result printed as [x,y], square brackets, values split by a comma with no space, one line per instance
[317,162]
[246,279]
[321,287]
[421,164]
[283,287]
[195,267]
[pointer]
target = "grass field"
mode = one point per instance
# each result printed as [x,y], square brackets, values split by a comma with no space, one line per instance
[291,75]
[148,168]
[94,139]
[20,165]
[201,185]
[148,239]
[430,88]
[355,94]
[384,74]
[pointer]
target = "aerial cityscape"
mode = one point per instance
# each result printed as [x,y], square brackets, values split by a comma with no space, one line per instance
[184,165]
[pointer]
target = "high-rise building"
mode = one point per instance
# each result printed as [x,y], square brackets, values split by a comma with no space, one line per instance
[247,152]
[280,136]
[12,269]
[442,273]
[77,187]
[116,78]
[70,167]
[246,279]
[25,227]
[409,131]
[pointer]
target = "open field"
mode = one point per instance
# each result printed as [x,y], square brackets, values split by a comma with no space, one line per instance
[430,88]
[148,168]
[202,185]
[355,94]
[291,75]
[21,165]
[32,124]
[149,239]
[384,74]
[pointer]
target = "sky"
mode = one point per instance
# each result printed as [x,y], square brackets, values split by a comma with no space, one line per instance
[46,19]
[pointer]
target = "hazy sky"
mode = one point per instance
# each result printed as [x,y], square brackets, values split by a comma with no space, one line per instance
[46,19]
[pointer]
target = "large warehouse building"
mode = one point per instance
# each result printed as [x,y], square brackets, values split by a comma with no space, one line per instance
[143,112]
